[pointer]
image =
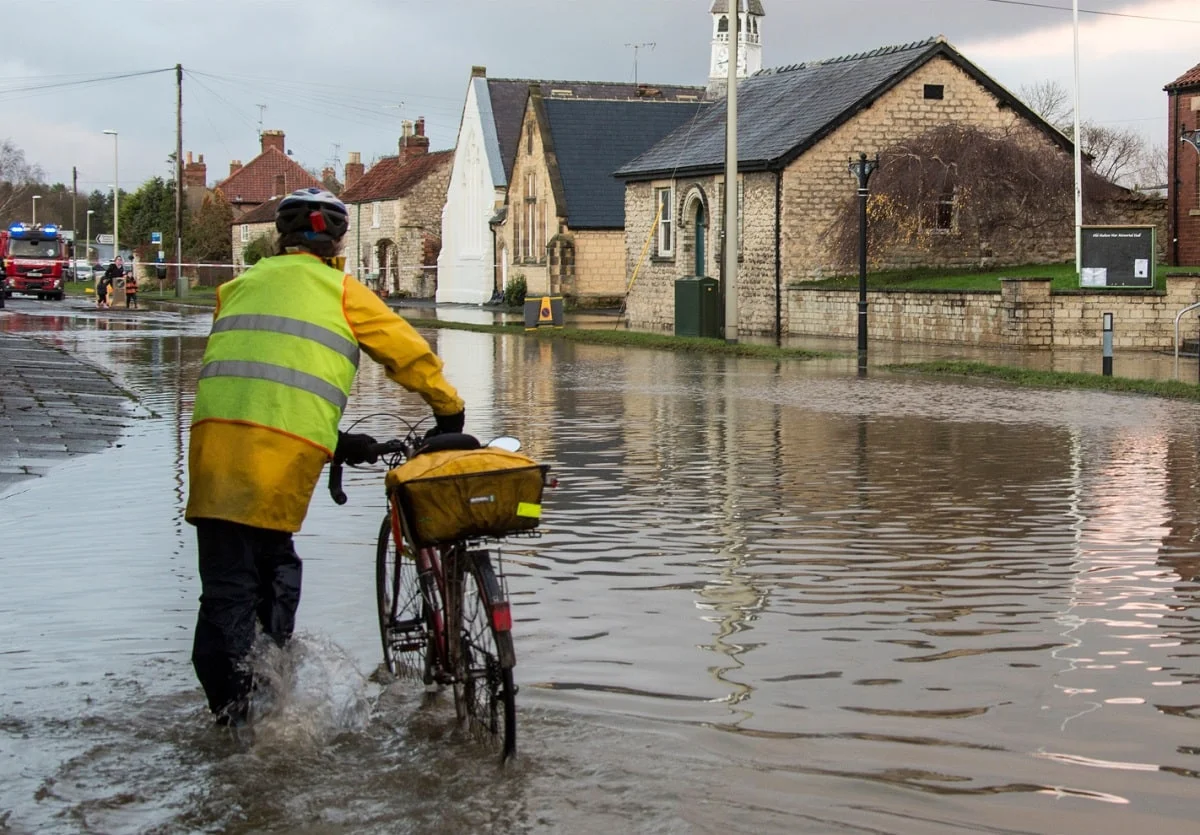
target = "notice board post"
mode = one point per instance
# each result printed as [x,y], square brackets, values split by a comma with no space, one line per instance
[1117,256]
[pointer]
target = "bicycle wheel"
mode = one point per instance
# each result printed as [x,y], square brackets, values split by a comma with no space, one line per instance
[485,692]
[405,610]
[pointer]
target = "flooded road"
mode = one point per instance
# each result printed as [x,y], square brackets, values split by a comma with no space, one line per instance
[768,598]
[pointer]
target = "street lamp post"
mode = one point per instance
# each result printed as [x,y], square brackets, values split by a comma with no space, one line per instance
[87,241]
[862,169]
[36,198]
[116,198]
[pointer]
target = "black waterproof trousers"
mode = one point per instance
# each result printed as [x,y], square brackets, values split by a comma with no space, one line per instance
[247,575]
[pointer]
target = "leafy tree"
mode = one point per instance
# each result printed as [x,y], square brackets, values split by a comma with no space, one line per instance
[207,236]
[261,247]
[149,209]
[19,181]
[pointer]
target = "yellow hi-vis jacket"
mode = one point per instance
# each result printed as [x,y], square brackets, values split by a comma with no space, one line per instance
[276,374]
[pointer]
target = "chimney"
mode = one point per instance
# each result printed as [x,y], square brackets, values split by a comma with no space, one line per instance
[478,72]
[280,185]
[273,139]
[235,165]
[413,144]
[354,169]
[195,172]
[327,174]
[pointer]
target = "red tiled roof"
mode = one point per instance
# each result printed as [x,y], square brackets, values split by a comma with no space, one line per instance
[389,180]
[254,182]
[259,214]
[1191,78]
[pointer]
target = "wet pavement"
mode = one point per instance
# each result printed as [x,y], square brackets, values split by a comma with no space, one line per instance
[769,597]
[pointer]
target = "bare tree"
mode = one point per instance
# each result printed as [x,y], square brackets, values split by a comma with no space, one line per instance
[1119,155]
[17,179]
[1050,100]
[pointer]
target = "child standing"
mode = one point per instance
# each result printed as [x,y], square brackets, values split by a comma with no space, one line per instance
[131,289]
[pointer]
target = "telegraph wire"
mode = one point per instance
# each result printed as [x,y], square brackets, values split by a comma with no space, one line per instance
[93,80]
[1033,5]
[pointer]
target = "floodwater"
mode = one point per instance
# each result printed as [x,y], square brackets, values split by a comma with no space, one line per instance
[768,598]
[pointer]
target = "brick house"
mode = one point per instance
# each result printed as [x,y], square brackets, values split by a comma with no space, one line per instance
[396,216]
[485,152]
[563,224]
[797,127]
[1183,167]
[270,174]
[254,224]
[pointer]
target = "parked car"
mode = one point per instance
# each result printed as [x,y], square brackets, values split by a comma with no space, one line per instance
[84,270]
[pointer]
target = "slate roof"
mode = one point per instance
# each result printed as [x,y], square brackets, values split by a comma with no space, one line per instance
[254,182]
[591,139]
[389,180]
[722,7]
[508,97]
[259,214]
[1191,78]
[783,112]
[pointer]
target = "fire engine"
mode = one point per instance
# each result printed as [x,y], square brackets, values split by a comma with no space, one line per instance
[35,260]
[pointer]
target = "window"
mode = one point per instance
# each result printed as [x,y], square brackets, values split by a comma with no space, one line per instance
[939,216]
[245,232]
[664,199]
[722,24]
[529,141]
[531,218]
[935,91]
[374,215]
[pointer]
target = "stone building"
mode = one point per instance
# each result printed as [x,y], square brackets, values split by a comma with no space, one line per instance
[563,225]
[257,223]
[270,174]
[485,152]
[396,216]
[797,128]
[1183,167]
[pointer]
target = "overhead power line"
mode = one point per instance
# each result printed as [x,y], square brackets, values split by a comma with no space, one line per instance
[1092,11]
[99,79]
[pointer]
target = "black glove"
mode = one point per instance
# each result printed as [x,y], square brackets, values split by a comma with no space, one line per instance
[448,424]
[355,448]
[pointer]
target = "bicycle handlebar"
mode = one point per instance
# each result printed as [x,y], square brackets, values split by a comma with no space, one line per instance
[337,466]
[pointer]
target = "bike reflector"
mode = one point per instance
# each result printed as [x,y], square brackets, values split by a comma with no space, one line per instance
[501,617]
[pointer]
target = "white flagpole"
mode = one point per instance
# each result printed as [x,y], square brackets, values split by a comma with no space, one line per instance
[1078,155]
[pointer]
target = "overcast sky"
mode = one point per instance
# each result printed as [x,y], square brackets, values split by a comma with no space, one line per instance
[340,76]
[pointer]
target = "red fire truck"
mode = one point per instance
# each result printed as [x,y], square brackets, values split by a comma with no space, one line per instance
[35,260]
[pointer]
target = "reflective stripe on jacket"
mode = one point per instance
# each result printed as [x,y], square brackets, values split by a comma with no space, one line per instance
[259,475]
[281,354]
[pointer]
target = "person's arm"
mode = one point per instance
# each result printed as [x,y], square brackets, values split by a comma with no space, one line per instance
[394,344]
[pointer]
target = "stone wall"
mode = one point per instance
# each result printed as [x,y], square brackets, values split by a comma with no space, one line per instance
[599,264]
[1024,314]
[530,178]
[253,231]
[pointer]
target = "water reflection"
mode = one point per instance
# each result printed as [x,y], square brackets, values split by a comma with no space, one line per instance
[768,597]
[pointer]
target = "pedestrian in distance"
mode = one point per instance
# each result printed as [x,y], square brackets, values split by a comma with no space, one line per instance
[102,291]
[131,291]
[276,374]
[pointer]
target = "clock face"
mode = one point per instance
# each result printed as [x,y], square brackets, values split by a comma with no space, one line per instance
[722,64]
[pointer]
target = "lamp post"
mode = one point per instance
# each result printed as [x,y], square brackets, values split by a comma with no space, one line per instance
[36,198]
[116,198]
[87,241]
[862,169]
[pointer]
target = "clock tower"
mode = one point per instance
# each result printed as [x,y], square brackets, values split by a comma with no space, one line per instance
[749,60]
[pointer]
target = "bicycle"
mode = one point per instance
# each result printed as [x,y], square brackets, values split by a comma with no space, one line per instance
[444,614]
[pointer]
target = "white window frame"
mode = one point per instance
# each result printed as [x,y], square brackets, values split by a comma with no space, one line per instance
[245,233]
[375,216]
[666,219]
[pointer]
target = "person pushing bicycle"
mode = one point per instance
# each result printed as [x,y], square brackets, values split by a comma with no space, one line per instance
[275,378]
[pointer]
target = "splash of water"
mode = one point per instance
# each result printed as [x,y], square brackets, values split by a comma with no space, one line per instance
[308,691]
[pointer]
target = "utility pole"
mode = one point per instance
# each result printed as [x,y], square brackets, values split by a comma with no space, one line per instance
[636,47]
[74,219]
[731,181]
[180,282]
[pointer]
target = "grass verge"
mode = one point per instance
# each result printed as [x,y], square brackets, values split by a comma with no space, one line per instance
[1063,278]
[634,339]
[1172,389]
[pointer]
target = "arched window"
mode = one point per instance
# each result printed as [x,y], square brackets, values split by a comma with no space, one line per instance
[723,24]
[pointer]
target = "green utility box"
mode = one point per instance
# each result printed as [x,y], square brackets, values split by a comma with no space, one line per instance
[697,307]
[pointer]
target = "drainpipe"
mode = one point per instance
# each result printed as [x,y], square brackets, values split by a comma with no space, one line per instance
[1174,190]
[778,258]
[358,244]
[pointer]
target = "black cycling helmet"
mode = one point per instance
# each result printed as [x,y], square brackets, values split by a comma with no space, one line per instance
[313,211]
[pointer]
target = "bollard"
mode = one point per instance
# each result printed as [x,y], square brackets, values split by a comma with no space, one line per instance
[1108,345]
